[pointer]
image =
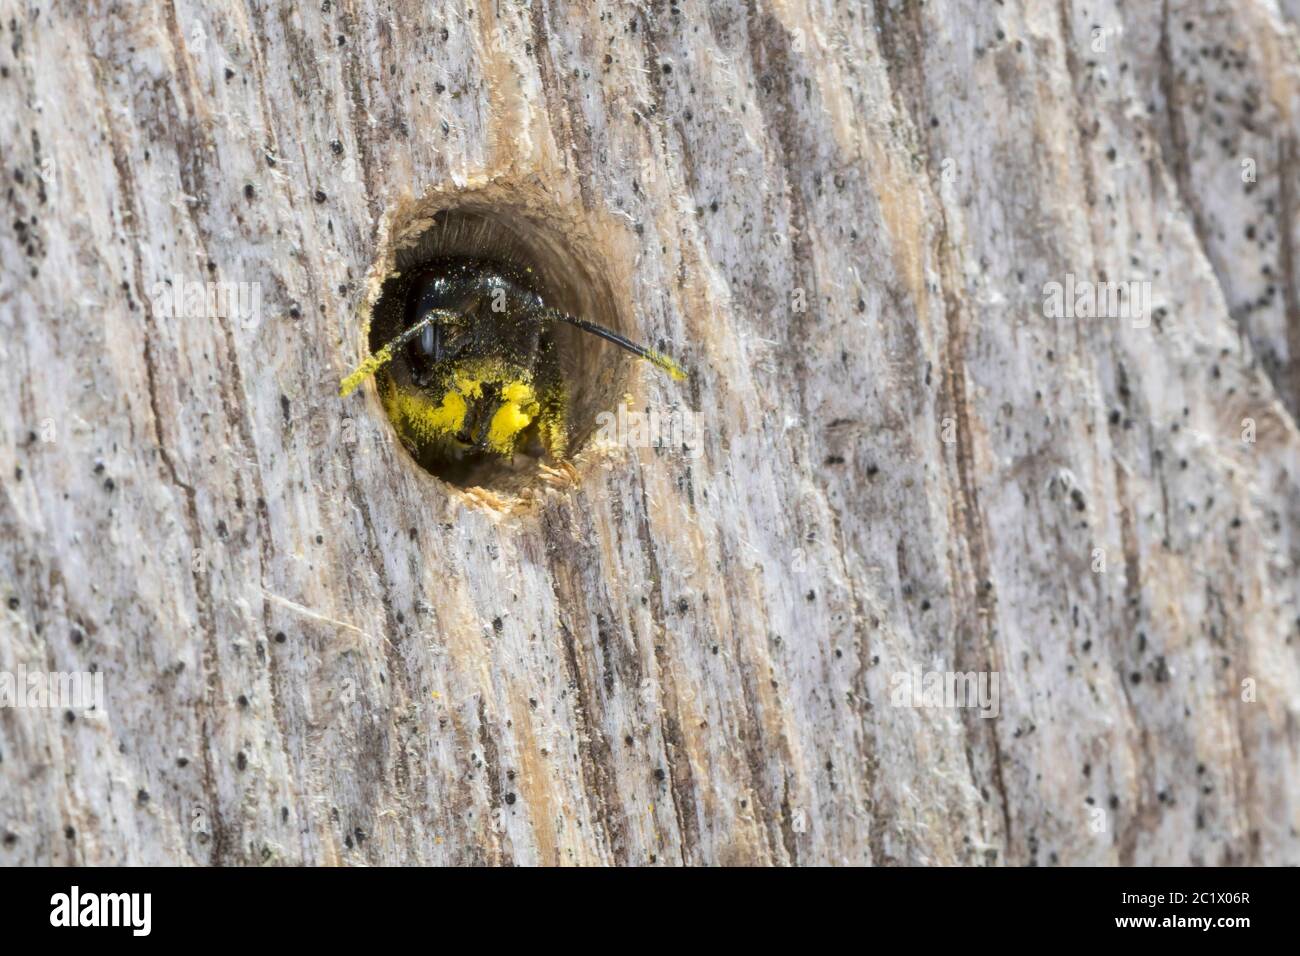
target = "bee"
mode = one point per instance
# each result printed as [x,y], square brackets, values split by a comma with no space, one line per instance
[469,371]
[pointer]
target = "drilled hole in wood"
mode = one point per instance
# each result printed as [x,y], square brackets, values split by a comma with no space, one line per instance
[491,385]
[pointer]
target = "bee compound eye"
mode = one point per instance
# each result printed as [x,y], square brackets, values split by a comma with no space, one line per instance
[424,350]
[427,344]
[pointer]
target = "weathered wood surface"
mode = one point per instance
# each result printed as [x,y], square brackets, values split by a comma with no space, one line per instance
[314,652]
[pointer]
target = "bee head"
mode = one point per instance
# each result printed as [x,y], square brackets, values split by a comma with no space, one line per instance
[470,363]
[473,360]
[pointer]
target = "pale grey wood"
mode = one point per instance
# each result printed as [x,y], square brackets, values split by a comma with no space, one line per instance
[675,660]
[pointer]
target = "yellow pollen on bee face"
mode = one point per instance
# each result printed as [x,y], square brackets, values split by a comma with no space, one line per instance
[468,385]
[517,410]
[521,393]
[415,413]
[450,415]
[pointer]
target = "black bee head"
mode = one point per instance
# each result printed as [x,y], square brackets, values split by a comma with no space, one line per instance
[471,369]
[481,312]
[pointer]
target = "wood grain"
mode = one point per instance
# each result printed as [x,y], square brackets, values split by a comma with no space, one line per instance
[313,652]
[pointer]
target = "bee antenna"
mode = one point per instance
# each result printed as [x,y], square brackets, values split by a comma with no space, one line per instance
[374,362]
[609,335]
